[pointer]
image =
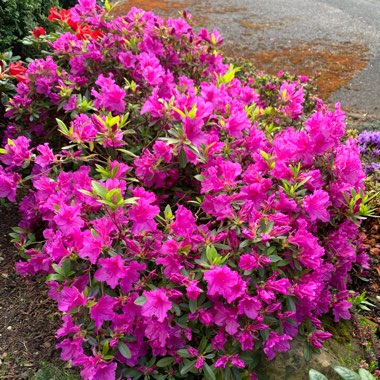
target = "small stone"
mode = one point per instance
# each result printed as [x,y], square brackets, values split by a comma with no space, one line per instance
[9,328]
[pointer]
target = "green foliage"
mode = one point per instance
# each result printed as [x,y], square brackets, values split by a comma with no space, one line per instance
[7,83]
[50,372]
[344,373]
[361,302]
[18,18]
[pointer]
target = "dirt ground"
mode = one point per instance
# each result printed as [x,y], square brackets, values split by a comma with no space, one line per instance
[28,318]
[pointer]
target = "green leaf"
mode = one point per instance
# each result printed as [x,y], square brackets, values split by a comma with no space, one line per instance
[124,350]
[203,344]
[208,372]
[315,375]
[182,158]
[188,366]
[183,353]
[274,258]
[98,189]
[131,201]
[140,301]
[290,304]
[179,111]
[307,352]
[165,362]
[236,373]
[193,305]
[86,192]
[345,373]
[365,375]
[106,347]
[62,127]
[55,277]
[131,372]
[127,152]
[168,212]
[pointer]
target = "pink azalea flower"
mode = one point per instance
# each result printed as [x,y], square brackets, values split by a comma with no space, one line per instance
[69,298]
[96,369]
[68,219]
[71,349]
[246,341]
[249,306]
[248,262]
[8,185]
[93,247]
[293,98]
[341,310]
[142,214]
[46,156]
[110,95]
[67,327]
[17,152]
[317,338]
[131,275]
[111,270]
[219,206]
[184,224]
[157,304]
[193,291]
[280,286]
[311,252]
[276,343]
[316,206]
[103,310]
[224,282]
[220,176]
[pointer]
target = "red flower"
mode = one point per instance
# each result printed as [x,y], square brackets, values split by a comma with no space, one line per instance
[38,31]
[17,70]
[62,15]
[96,34]
[85,31]
[54,15]
[73,25]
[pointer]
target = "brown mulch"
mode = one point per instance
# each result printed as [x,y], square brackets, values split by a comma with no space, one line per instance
[28,318]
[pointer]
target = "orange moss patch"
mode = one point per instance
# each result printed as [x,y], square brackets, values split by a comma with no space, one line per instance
[334,64]
[257,26]
[169,7]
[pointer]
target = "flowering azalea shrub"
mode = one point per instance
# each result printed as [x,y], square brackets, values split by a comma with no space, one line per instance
[188,220]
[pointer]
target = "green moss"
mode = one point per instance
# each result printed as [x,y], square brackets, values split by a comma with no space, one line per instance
[49,371]
[341,331]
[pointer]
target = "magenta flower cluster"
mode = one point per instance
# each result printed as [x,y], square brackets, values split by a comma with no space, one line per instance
[189,216]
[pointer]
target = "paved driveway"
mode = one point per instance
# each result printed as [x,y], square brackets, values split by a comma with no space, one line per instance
[339,39]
